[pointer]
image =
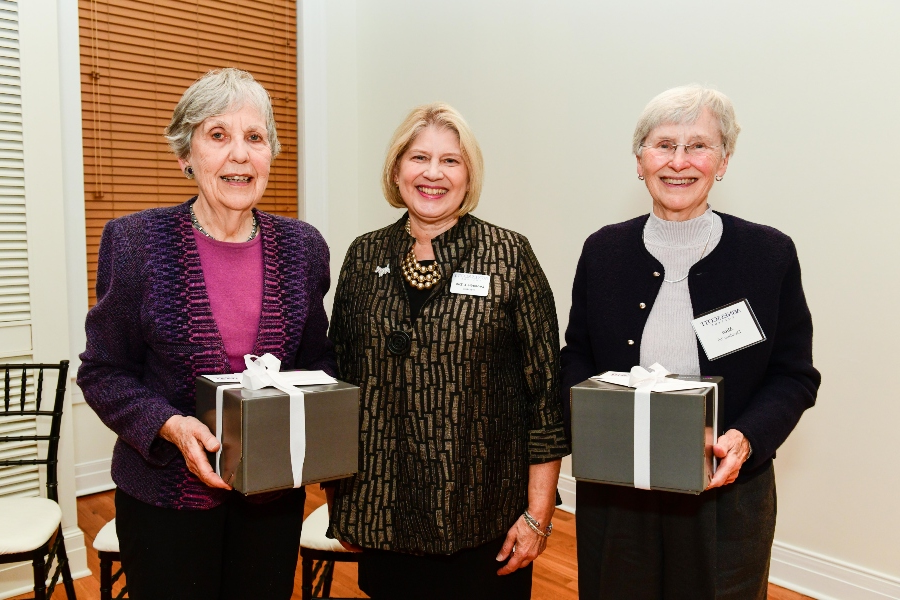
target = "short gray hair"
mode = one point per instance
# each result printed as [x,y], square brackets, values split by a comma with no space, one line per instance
[216,93]
[685,104]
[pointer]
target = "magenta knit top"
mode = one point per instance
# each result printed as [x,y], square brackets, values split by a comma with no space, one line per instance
[233,273]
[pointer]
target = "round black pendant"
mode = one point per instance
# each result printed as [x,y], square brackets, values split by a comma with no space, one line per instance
[399,342]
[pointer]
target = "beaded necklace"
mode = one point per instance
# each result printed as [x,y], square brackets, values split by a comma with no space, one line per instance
[418,276]
[199,227]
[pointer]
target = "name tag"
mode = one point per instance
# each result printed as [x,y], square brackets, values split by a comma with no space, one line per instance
[728,329]
[470,283]
[230,378]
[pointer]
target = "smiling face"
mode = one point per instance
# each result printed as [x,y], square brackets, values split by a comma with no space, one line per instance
[432,177]
[231,157]
[680,183]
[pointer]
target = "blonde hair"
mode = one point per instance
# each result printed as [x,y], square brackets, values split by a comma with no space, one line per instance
[685,104]
[443,116]
[216,93]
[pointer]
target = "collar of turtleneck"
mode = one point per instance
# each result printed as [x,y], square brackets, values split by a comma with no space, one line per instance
[683,234]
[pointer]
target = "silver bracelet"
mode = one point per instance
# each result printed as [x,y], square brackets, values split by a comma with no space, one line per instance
[536,526]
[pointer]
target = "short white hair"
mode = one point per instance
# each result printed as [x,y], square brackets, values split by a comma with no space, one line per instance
[216,93]
[685,104]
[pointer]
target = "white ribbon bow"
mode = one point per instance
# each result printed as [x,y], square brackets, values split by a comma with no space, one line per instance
[641,377]
[262,372]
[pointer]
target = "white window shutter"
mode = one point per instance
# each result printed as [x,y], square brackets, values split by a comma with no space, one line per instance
[15,313]
[14,301]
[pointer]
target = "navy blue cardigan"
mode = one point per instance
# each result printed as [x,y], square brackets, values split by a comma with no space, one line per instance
[767,386]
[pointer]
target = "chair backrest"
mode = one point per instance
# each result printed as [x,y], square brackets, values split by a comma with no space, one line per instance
[14,405]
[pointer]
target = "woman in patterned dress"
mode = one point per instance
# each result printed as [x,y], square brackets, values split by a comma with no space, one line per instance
[448,325]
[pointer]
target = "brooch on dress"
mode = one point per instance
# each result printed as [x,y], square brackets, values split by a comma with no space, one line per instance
[383,270]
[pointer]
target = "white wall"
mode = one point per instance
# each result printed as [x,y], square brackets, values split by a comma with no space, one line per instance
[552,90]
[330,128]
[93,441]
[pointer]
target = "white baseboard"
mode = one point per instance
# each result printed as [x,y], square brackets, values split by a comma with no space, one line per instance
[18,578]
[566,487]
[92,477]
[827,578]
[77,395]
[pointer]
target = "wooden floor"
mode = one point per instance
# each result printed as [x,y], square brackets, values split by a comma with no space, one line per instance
[555,572]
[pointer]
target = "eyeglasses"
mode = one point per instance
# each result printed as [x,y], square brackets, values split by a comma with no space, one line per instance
[667,148]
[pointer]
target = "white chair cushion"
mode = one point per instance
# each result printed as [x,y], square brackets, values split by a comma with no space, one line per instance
[313,534]
[26,523]
[107,540]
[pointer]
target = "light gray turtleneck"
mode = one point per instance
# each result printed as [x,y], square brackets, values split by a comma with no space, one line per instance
[668,338]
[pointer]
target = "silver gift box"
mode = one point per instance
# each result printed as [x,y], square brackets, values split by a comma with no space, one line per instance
[682,432]
[256,453]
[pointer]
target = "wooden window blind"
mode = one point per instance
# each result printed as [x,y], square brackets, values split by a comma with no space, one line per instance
[137,58]
[15,299]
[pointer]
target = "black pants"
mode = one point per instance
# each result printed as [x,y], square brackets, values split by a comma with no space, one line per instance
[649,545]
[237,551]
[466,575]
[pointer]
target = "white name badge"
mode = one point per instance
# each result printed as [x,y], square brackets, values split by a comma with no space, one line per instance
[230,378]
[470,283]
[728,329]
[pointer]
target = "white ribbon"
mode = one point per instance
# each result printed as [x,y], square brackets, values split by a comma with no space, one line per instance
[641,377]
[263,371]
[220,394]
[644,382]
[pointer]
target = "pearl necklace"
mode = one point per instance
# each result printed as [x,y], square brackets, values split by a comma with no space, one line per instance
[199,227]
[418,276]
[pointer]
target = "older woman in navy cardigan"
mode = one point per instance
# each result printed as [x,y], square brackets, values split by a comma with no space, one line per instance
[637,287]
[186,291]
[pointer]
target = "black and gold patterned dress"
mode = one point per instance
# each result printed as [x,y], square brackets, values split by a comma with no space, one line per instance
[456,403]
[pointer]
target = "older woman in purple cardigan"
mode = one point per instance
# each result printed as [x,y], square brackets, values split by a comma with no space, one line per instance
[185,291]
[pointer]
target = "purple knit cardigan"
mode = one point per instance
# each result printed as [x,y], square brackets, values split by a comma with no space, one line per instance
[152,332]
